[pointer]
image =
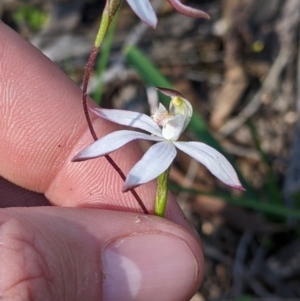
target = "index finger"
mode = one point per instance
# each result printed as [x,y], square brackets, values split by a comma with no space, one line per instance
[43,127]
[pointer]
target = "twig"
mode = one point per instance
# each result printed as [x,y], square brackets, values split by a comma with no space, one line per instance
[262,292]
[214,253]
[269,84]
[257,262]
[238,266]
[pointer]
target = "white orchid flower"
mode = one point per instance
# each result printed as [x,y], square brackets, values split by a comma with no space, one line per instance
[164,127]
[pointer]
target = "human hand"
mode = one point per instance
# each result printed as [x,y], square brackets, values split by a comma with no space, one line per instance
[99,248]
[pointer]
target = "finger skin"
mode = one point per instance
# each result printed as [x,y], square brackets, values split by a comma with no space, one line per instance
[54,253]
[42,127]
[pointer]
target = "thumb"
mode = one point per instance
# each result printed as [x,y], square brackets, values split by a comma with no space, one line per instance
[52,253]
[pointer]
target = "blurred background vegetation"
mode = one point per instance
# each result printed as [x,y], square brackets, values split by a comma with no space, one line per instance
[241,71]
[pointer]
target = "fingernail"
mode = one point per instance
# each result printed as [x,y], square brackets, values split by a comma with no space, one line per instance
[148,267]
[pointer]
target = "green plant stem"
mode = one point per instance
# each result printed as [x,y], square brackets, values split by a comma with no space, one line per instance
[108,14]
[104,57]
[162,193]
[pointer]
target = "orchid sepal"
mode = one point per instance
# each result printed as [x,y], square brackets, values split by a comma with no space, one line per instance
[213,160]
[144,11]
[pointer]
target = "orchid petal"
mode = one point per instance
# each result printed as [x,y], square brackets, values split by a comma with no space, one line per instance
[214,161]
[129,118]
[173,128]
[188,11]
[154,162]
[144,11]
[110,143]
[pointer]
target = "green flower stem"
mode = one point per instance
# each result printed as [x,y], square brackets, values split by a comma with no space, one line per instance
[162,193]
[105,21]
[104,57]
[108,14]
